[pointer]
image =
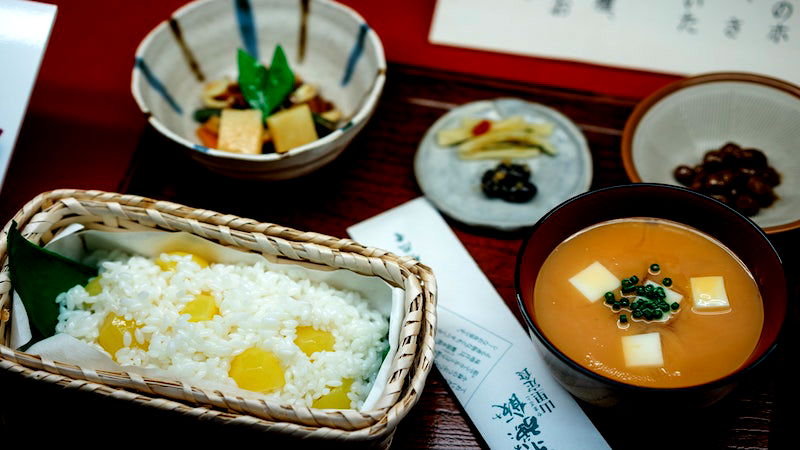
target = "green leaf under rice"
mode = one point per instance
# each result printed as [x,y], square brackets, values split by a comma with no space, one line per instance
[38,276]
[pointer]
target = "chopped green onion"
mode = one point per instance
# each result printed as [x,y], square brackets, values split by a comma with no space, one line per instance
[623,318]
[616,306]
[658,314]
[655,268]
[624,302]
[634,279]
[675,306]
[626,283]
[637,314]
[667,282]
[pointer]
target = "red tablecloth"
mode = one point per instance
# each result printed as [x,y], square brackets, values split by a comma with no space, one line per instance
[82,125]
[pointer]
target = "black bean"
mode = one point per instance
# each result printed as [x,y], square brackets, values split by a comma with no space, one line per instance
[752,157]
[508,182]
[730,148]
[713,161]
[758,187]
[719,182]
[519,171]
[684,175]
[746,204]
[739,177]
[722,198]
[770,176]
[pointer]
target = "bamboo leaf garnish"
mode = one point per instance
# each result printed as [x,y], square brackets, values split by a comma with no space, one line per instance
[39,275]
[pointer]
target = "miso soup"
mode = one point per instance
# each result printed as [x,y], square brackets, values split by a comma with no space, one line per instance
[649,302]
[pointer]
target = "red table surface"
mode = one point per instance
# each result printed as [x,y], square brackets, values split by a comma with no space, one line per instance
[82,124]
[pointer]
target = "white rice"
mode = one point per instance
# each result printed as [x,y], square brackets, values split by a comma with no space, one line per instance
[259,308]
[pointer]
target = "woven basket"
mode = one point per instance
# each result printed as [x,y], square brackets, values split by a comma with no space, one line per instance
[50,212]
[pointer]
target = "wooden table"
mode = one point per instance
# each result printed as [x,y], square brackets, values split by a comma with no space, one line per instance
[374,174]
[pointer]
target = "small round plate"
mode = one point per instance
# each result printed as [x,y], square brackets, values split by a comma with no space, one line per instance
[454,184]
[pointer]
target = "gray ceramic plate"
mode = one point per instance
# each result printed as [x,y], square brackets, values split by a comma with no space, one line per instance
[453,184]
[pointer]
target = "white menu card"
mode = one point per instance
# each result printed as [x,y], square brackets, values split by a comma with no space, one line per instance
[24,32]
[482,351]
[673,36]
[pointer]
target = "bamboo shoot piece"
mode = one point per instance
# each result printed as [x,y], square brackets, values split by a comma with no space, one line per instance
[292,128]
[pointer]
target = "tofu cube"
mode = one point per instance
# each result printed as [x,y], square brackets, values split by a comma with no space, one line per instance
[240,131]
[643,350]
[709,294]
[672,296]
[594,281]
[292,128]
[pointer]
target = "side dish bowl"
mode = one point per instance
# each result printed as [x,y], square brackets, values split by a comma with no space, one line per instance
[744,238]
[679,123]
[326,44]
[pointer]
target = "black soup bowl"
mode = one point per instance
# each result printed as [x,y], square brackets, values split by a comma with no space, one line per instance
[743,237]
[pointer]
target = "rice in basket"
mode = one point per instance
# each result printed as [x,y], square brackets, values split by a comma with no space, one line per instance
[249,327]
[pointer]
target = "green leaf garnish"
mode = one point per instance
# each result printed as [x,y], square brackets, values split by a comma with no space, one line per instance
[39,275]
[252,81]
[280,79]
[265,89]
[203,114]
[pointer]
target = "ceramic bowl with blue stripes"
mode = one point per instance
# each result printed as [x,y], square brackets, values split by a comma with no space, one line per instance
[326,43]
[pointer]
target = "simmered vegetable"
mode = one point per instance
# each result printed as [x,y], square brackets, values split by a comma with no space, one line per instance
[293,111]
[292,128]
[240,131]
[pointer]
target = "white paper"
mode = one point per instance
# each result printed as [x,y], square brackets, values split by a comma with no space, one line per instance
[673,36]
[389,300]
[24,32]
[482,351]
